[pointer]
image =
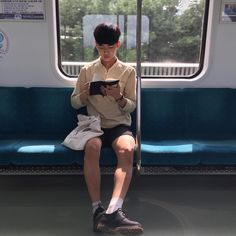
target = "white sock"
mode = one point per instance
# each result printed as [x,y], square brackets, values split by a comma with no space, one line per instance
[95,205]
[115,203]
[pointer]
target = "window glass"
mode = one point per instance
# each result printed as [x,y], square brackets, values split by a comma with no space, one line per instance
[173,34]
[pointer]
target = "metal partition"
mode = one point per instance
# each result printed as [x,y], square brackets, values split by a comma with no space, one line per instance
[138,85]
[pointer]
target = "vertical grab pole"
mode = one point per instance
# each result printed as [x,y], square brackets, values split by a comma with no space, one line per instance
[138,85]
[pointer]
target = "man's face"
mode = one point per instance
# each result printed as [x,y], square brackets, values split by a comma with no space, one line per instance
[107,52]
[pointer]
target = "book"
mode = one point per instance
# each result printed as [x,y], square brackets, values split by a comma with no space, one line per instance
[95,86]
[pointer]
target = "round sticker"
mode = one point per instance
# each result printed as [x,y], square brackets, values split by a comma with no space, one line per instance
[4,43]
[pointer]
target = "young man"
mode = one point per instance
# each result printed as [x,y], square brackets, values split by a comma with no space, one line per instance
[114,107]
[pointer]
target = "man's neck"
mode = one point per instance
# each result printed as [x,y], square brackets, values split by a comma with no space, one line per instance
[109,64]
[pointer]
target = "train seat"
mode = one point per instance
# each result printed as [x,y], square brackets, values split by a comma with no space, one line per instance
[188,126]
[34,122]
[179,127]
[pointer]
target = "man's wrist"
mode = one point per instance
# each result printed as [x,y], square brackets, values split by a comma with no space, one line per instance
[120,98]
[83,97]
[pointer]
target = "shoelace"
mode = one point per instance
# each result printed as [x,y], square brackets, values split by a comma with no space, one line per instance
[122,213]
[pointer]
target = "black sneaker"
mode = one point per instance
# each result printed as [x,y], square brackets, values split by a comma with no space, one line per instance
[117,222]
[97,216]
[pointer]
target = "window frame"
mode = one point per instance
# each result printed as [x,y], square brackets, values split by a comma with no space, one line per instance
[202,53]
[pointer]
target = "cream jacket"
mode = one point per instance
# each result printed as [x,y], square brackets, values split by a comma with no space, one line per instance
[106,107]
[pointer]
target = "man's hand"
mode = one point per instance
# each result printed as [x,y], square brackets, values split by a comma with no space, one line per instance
[85,93]
[113,90]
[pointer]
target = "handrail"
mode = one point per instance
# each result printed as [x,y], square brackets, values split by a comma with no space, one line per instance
[138,86]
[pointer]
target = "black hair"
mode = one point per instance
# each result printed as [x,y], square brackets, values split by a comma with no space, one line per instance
[106,34]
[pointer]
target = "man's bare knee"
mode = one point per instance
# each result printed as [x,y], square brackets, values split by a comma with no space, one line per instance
[93,147]
[125,156]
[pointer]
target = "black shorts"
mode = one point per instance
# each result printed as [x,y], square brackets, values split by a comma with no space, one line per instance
[110,134]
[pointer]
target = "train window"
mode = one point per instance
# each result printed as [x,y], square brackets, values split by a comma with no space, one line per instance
[173,34]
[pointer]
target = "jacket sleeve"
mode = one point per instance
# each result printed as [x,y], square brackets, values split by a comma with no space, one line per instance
[130,93]
[75,96]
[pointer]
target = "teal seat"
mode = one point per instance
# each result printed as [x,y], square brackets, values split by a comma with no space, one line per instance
[34,122]
[179,127]
[188,127]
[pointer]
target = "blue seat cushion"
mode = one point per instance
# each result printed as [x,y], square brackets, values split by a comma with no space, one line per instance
[188,152]
[45,152]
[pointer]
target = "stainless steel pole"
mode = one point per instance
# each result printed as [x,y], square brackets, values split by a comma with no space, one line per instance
[138,85]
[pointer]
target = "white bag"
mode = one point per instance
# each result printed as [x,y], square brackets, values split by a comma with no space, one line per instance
[88,127]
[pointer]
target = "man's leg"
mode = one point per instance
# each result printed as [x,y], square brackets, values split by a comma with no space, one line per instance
[93,177]
[92,169]
[124,149]
[115,220]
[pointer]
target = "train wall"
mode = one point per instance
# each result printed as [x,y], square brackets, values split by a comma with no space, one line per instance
[31,57]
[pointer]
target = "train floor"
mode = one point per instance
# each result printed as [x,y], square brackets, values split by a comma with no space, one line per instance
[165,205]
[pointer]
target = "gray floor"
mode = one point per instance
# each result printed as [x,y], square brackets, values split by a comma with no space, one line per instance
[165,205]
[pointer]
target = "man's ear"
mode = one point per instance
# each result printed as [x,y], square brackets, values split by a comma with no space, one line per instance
[118,44]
